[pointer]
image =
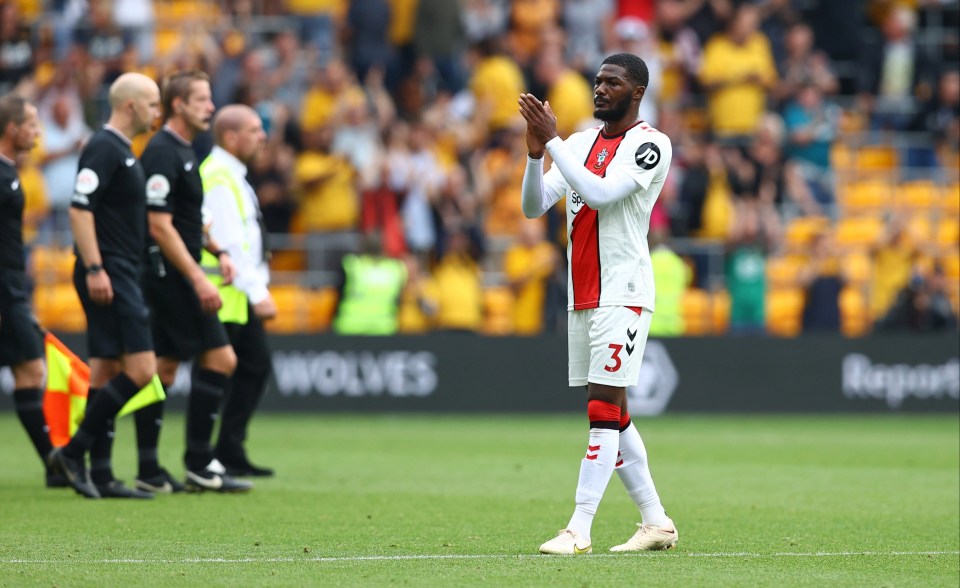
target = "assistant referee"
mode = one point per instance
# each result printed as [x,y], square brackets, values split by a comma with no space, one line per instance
[109,221]
[183,300]
[21,345]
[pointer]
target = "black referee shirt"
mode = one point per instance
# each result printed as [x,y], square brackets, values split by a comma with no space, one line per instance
[174,186]
[112,186]
[11,217]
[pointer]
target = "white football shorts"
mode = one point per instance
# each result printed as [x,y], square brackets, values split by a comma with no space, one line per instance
[605,345]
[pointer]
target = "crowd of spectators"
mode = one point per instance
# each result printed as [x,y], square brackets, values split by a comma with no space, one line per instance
[400,117]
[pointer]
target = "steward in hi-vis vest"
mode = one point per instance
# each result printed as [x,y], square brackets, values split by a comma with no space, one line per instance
[371,293]
[232,215]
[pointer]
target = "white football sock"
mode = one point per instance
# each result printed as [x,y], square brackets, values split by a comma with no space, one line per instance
[635,475]
[596,468]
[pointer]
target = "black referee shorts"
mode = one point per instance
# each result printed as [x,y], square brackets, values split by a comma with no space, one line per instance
[20,337]
[180,327]
[123,326]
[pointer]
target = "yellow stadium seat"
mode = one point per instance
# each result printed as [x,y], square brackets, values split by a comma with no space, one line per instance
[498,311]
[876,157]
[801,231]
[841,156]
[784,272]
[854,312]
[950,199]
[859,231]
[321,308]
[951,267]
[921,194]
[52,265]
[866,195]
[948,233]
[58,307]
[784,311]
[695,307]
[857,267]
[291,304]
[720,311]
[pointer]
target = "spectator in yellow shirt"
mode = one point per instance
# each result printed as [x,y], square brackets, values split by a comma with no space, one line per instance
[496,83]
[569,94]
[327,184]
[528,264]
[457,284]
[737,72]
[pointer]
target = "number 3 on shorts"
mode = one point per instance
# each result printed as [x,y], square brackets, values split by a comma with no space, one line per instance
[615,357]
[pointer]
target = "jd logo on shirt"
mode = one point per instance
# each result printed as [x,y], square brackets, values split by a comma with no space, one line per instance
[647,156]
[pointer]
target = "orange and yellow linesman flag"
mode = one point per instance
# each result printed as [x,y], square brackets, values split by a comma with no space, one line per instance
[68,382]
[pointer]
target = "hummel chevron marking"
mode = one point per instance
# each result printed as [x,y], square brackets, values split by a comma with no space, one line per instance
[631,335]
[630,348]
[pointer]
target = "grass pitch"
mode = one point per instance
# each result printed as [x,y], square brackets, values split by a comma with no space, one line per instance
[466,501]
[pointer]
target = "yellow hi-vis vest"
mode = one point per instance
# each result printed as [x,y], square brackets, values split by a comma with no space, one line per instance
[370,295]
[235,307]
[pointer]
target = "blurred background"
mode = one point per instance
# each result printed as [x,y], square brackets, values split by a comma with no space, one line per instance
[814,185]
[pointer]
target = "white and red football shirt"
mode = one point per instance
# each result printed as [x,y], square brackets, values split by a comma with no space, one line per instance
[608,256]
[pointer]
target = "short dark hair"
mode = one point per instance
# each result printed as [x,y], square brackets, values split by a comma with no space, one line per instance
[636,68]
[178,86]
[13,109]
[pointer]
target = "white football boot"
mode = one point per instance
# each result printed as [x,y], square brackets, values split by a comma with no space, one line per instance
[567,542]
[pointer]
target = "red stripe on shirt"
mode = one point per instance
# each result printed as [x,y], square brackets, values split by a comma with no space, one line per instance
[585,231]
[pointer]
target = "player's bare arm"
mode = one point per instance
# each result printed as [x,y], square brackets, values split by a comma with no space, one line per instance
[85,235]
[171,245]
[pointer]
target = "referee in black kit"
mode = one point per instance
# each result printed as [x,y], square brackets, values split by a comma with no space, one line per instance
[184,302]
[21,344]
[108,218]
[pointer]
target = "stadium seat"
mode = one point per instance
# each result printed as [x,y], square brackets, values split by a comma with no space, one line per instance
[321,308]
[801,231]
[784,272]
[288,260]
[859,231]
[951,267]
[497,311]
[875,157]
[720,311]
[52,265]
[857,267]
[695,307]
[920,194]
[58,308]
[291,303]
[841,156]
[950,198]
[784,311]
[854,312]
[948,233]
[865,195]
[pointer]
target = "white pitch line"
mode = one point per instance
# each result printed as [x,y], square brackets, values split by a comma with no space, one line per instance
[361,558]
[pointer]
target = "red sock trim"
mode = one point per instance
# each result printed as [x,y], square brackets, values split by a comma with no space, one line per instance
[600,411]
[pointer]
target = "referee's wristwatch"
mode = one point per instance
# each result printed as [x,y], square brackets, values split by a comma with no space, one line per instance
[94,269]
[218,252]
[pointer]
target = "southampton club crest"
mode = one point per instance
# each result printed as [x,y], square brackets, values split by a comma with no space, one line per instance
[601,157]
